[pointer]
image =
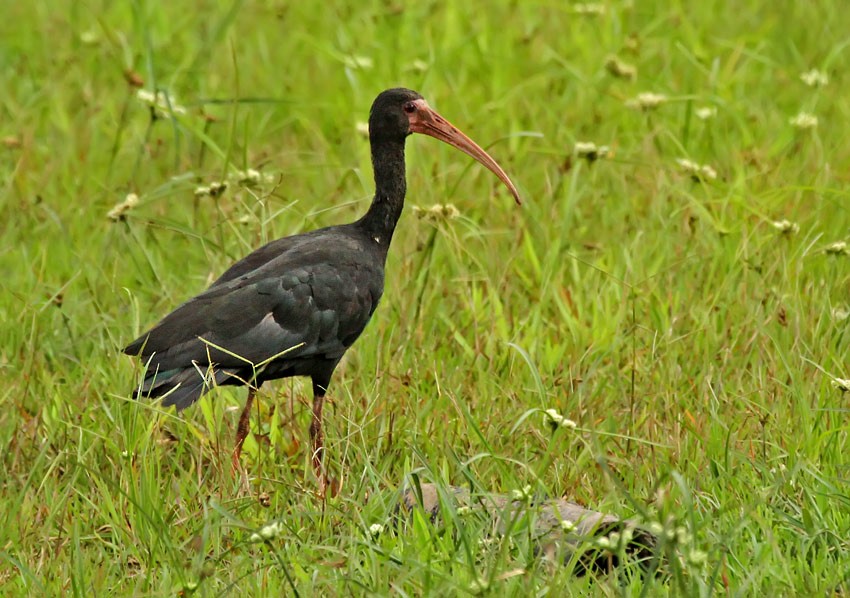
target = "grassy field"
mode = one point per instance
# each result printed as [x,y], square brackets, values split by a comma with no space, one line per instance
[684,298]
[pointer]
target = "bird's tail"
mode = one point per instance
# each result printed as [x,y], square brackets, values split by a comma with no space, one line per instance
[181,387]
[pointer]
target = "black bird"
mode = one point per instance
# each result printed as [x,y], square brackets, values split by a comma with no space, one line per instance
[294,306]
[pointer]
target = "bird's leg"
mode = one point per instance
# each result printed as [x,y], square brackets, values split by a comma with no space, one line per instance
[327,485]
[242,429]
[317,438]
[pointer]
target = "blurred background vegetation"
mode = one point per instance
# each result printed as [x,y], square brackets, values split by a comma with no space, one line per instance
[683,297]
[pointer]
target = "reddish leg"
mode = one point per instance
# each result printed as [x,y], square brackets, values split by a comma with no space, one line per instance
[317,437]
[242,430]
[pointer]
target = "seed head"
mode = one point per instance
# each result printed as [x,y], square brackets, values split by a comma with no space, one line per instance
[804,120]
[592,9]
[556,420]
[89,37]
[376,529]
[815,78]
[620,69]
[419,66]
[839,314]
[567,526]
[523,494]
[841,384]
[266,533]
[699,172]
[786,227]
[646,101]
[119,210]
[706,112]
[164,105]
[590,152]
[838,248]
[603,542]
[437,212]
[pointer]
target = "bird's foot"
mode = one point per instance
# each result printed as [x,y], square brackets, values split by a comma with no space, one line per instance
[328,486]
[239,470]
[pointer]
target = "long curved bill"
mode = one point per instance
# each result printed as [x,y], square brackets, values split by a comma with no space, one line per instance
[427,121]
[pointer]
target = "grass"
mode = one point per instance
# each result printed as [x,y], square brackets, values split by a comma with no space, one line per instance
[693,342]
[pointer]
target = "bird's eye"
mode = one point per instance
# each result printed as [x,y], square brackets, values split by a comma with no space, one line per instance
[410,107]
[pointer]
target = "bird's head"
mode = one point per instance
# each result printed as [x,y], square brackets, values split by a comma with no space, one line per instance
[396,113]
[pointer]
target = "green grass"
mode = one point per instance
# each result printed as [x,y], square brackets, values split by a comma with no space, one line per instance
[694,344]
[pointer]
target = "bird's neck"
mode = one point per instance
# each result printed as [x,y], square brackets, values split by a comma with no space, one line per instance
[390,186]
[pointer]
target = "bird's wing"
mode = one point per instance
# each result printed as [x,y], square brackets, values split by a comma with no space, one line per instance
[265,254]
[315,308]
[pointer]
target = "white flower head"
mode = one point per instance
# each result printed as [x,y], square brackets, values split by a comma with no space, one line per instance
[376,529]
[698,172]
[362,128]
[437,212]
[523,494]
[553,416]
[593,9]
[89,37]
[786,227]
[267,532]
[464,511]
[646,101]
[590,151]
[567,526]
[249,177]
[556,420]
[145,96]
[804,120]
[815,78]
[603,542]
[620,69]
[706,112]
[838,248]
[841,384]
[697,557]
[447,211]
[420,66]
[164,105]
[119,210]
[217,188]
[839,314]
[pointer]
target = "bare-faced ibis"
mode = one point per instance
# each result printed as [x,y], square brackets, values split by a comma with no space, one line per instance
[294,306]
